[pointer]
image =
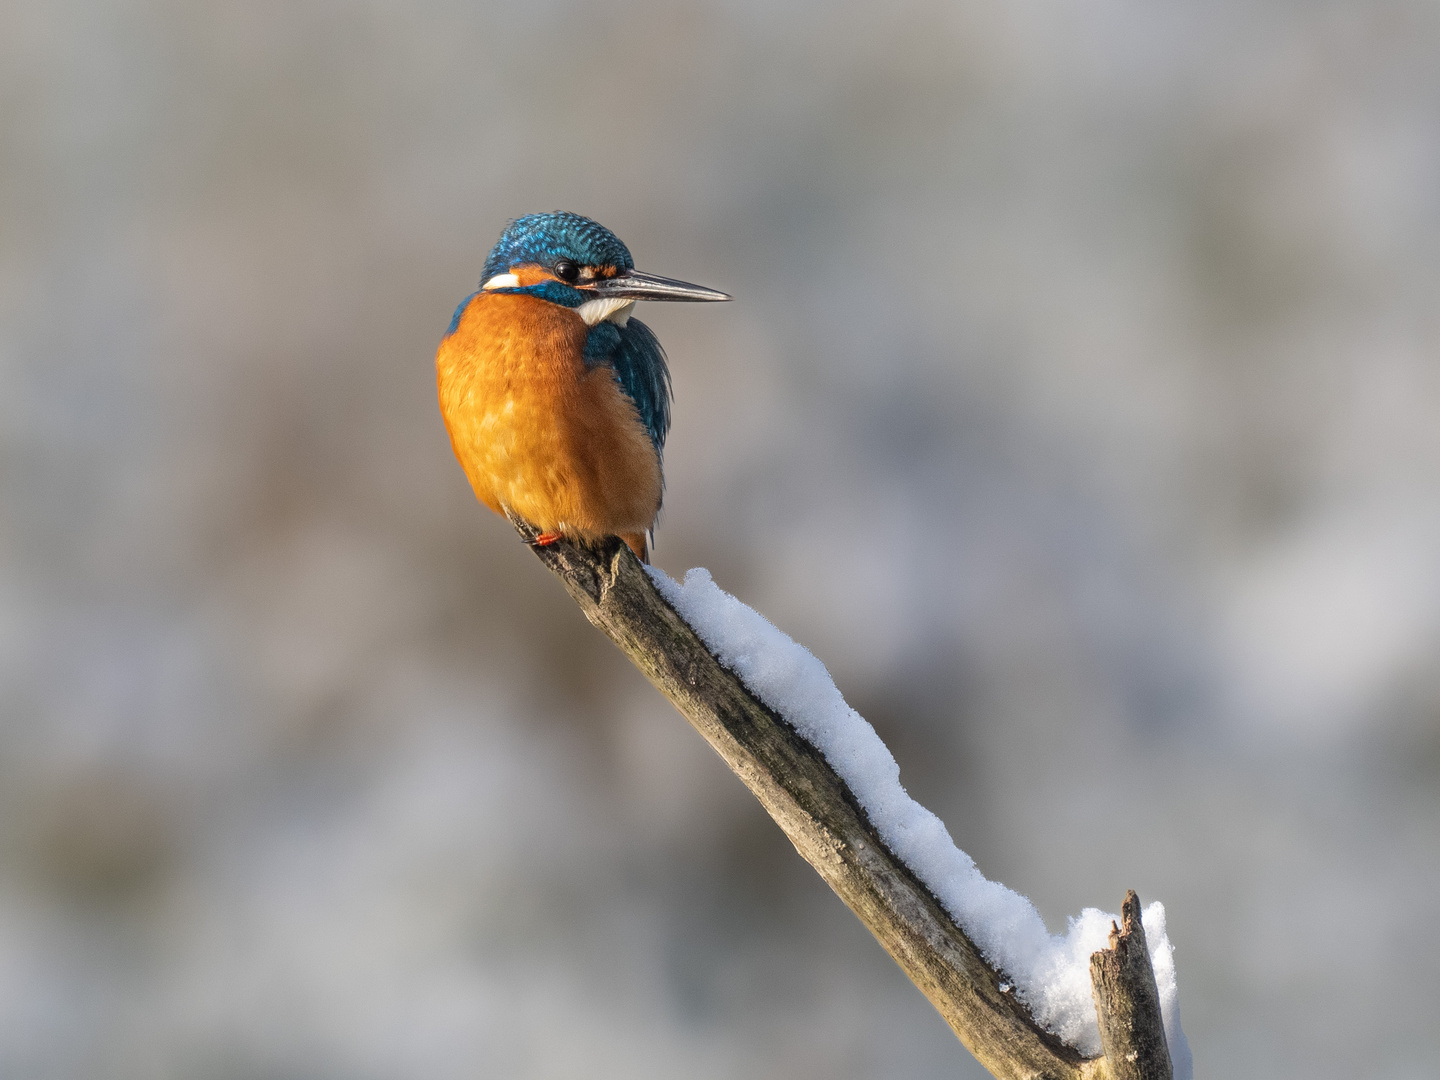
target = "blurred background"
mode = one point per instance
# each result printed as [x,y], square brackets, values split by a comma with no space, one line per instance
[1078,408]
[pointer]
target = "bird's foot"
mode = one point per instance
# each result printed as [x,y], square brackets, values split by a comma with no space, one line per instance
[545,539]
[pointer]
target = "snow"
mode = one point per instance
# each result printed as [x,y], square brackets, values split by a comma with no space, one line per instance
[1051,973]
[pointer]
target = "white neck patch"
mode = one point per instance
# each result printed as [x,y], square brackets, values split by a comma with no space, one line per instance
[613,308]
[594,311]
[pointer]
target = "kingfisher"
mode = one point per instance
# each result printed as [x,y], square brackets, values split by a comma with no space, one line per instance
[557,401]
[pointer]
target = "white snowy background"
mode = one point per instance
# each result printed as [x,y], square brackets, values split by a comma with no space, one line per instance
[1080,409]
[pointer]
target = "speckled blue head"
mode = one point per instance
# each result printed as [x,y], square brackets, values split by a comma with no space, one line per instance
[545,239]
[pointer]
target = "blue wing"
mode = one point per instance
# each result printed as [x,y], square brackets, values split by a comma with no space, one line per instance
[639,364]
[638,361]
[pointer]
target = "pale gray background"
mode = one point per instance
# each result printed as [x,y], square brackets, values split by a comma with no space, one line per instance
[1078,408]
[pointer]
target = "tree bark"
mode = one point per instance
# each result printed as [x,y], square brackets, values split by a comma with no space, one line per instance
[817,811]
[1128,1002]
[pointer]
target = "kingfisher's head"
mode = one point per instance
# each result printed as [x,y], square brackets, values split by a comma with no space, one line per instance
[577,263]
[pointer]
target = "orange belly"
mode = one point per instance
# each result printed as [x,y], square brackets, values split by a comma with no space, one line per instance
[537,432]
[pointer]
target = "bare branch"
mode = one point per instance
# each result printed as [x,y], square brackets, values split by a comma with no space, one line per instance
[1128,1003]
[817,811]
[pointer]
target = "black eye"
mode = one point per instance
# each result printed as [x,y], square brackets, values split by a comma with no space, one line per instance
[566,270]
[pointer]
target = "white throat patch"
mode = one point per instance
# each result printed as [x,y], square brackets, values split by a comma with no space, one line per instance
[594,311]
[611,307]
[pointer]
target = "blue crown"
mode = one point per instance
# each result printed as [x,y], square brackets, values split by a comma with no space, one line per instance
[544,239]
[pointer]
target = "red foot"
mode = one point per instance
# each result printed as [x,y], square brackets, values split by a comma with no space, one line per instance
[545,539]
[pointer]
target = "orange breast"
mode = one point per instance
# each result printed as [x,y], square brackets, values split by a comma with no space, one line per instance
[536,431]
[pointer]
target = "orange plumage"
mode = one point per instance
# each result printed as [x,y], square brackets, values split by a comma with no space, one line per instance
[537,430]
[556,400]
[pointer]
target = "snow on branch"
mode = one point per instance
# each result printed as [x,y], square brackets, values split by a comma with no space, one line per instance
[1022,1001]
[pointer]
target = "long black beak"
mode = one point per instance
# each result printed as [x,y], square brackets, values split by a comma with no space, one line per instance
[633,285]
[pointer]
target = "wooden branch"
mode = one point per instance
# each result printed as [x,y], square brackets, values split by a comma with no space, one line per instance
[817,811]
[1128,1002]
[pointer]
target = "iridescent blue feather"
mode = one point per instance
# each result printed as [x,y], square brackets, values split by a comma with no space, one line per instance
[642,371]
[640,367]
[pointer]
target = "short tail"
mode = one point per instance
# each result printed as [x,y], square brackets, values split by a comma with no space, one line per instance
[638,543]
